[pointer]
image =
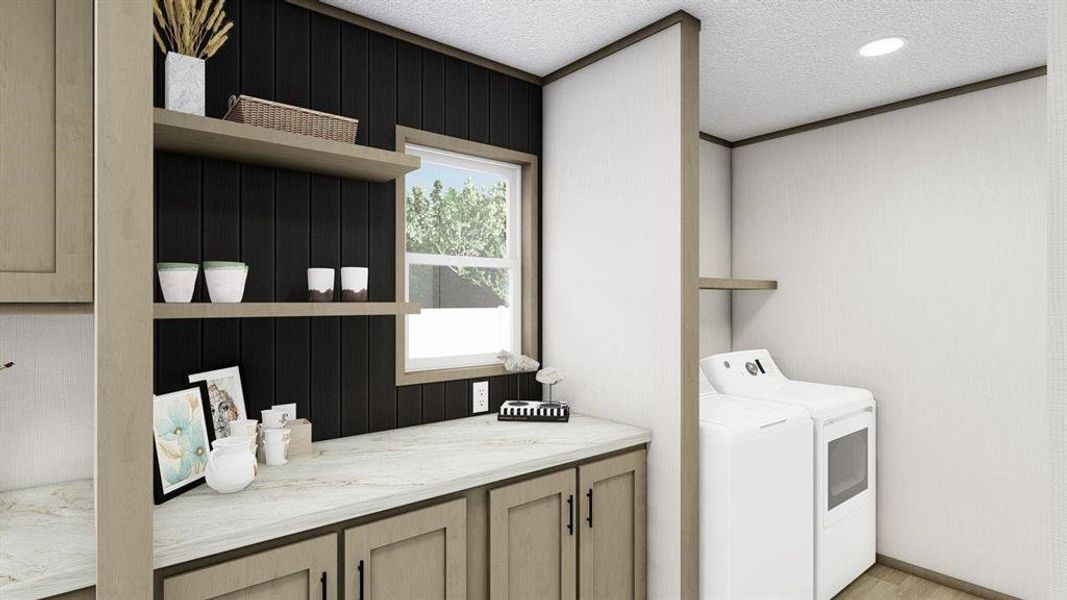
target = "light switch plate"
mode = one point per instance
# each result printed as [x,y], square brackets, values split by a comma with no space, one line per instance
[480,397]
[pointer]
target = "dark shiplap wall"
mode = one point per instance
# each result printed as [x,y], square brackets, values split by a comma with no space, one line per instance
[340,371]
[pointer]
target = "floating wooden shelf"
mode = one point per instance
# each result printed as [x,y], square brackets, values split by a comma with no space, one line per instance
[215,138]
[717,283]
[252,310]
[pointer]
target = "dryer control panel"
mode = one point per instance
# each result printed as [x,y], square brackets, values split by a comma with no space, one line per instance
[734,372]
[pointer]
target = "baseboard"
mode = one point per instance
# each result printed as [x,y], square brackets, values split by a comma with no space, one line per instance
[944,580]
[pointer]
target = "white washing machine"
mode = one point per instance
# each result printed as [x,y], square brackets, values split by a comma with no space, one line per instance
[844,444]
[755,498]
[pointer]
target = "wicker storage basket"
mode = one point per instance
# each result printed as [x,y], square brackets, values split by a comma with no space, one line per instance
[294,119]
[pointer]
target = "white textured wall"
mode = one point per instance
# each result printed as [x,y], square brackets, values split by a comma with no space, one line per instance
[46,399]
[1057,295]
[612,260]
[714,246]
[911,248]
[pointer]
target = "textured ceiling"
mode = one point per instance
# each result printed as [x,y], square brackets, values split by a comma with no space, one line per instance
[764,64]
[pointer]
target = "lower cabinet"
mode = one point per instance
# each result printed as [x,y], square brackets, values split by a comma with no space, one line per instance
[532,538]
[419,554]
[299,571]
[612,540]
[575,532]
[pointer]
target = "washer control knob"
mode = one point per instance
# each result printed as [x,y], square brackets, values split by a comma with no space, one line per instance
[751,368]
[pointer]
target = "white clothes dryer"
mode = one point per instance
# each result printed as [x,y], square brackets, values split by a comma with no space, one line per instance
[756,534]
[844,457]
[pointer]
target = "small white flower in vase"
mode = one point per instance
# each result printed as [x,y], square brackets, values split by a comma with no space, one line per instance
[550,376]
[188,32]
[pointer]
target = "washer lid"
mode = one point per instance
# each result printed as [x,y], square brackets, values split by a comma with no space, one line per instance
[753,374]
[821,400]
[746,414]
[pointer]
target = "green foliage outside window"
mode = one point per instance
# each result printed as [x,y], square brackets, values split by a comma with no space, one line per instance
[470,221]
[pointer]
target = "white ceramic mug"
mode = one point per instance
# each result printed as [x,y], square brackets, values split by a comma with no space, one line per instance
[273,419]
[320,284]
[275,446]
[354,284]
[247,429]
[244,427]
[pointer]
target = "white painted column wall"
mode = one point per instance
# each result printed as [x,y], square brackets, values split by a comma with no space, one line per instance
[1057,295]
[611,283]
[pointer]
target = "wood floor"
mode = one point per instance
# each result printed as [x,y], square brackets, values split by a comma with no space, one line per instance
[884,583]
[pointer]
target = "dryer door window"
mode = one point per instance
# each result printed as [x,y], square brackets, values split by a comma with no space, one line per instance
[847,474]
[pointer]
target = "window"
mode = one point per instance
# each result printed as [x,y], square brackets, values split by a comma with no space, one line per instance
[847,468]
[465,257]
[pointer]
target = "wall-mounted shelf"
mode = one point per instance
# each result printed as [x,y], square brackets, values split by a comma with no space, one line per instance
[252,310]
[226,140]
[717,283]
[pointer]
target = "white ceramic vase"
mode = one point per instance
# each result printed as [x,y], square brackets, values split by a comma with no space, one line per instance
[230,466]
[185,83]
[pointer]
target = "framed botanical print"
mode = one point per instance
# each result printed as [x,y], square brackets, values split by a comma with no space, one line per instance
[225,397]
[182,440]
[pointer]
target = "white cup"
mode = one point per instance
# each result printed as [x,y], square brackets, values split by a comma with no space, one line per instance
[275,446]
[320,284]
[177,280]
[244,427]
[354,284]
[225,280]
[273,419]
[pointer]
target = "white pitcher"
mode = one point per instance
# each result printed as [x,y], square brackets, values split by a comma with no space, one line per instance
[230,466]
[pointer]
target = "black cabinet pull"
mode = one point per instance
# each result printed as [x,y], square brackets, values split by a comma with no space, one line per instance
[589,518]
[570,510]
[323,580]
[360,568]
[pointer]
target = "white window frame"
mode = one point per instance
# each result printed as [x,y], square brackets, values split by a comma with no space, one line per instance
[523,247]
[511,261]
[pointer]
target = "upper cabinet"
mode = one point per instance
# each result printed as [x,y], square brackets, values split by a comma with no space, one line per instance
[46,160]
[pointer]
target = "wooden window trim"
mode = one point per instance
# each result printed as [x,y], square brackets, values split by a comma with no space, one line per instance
[530,228]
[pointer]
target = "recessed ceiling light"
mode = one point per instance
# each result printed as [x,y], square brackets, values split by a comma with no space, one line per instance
[881,47]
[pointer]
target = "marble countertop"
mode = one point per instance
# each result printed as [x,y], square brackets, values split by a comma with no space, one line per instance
[46,533]
[47,540]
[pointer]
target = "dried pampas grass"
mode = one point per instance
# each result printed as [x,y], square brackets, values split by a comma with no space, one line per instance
[191,27]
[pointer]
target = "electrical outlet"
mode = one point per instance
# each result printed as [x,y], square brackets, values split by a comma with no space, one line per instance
[480,397]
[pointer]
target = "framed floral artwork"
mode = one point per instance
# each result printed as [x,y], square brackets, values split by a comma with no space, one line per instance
[224,396]
[182,440]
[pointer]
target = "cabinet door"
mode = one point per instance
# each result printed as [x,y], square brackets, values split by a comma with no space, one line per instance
[300,571]
[420,554]
[613,527]
[46,160]
[532,542]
